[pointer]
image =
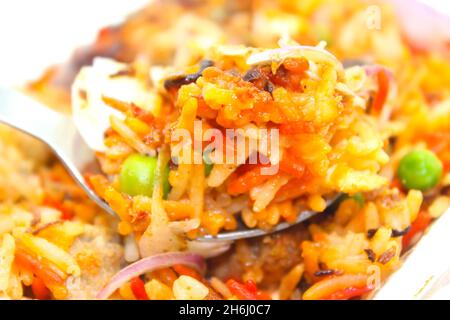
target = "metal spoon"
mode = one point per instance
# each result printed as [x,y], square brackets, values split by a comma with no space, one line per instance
[58,131]
[55,129]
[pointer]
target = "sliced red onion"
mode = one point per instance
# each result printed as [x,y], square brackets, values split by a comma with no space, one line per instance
[424,26]
[309,52]
[373,69]
[149,264]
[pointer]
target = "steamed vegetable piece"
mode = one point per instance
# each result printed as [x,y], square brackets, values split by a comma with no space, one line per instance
[137,176]
[420,170]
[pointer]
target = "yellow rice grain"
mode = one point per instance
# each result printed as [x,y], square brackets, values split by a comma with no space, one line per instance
[439,206]
[156,290]
[317,203]
[7,249]
[220,287]
[48,250]
[290,281]
[130,137]
[126,292]
[414,201]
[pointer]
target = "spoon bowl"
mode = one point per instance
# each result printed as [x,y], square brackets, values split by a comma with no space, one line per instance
[59,132]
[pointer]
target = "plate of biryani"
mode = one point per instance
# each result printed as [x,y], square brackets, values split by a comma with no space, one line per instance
[208,117]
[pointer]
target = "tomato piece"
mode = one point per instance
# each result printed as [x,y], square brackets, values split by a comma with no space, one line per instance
[348,293]
[40,290]
[138,288]
[247,291]
[383,90]
[418,226]
[242,183]
[186,271]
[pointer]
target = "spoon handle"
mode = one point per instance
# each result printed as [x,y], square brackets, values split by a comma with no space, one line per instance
[55,129]
[28,115]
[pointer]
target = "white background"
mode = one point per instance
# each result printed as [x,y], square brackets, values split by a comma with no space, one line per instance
[36,33]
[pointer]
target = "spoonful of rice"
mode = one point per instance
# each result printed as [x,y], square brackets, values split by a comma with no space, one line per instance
[59,132]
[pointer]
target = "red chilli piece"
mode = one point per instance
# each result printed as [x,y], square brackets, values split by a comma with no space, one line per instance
[348,293]
[247,291]
[186,271]
[251,286]
[138,288]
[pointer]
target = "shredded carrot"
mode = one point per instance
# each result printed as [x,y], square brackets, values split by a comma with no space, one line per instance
[177,210]
[40,290]
[293,189]
[242,183]
[383,91]
[98,183]
[48,273]
[290,128]
[292,165]
[311,260]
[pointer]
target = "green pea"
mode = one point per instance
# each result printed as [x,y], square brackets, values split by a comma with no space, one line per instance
[137,175]
[420,170]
